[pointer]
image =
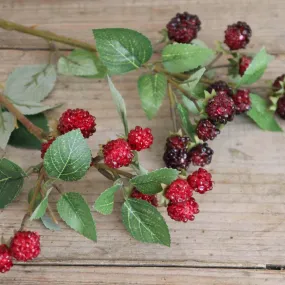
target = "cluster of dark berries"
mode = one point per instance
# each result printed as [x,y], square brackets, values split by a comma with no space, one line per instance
[278,88]
[25,246]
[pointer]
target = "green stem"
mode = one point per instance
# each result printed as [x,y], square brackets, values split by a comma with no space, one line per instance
[218,56]
[114,171]
[219,66]
[172,107]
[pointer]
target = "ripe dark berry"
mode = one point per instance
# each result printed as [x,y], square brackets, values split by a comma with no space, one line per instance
[73,119]
[242,101]
[5,259]
[140,138]
[183,28]
[184,211]
[176,158]
[220,87]
[221,108]
[152,199]
[45,147]
[200,181]
[206,130]
[178,191]
[201,155]
[25,246]
[244,63]
[117,153]
[237,35]
[276,85]
[177,142]
[281,107]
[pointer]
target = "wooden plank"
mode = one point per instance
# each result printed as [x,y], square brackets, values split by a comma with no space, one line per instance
[60,275]
[77,18]
[241,222]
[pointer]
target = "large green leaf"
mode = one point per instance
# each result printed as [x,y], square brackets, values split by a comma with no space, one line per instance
[11,181]
[33,108]
[261,115]
[152,90]
[7,125]
[69,157]
[122,50]
[74,210]
[184,57]
[150,183]
[144,222]
[41,208]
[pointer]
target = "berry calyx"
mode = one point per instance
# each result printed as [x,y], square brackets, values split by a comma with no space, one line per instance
[276,86]
[184,211]
[221,87]
[237,35]
[178,191]
[200,181]
[242,101]
[183,28]
[206,130]
[281,107]
[73,119]
[117,153]
[201,154]
[5,259]
[25,245]
[244,63]
[45,147]
[140,138]
[152,199]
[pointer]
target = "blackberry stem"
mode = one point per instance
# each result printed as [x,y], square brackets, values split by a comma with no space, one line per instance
[218,56]
[172,107]
[219,66]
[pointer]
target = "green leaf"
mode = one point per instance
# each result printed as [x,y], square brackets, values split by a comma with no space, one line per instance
[150,183]
[38,198]
[41,208]
[74,210]
[31,83]
[152,90]
[20,137]
[11,181]
[105,202]
[256,68]
[120,104]
[49,223]
[184,57]
[260,114]
[33,108]
[193,80]
[122,50]
[144,222]
[81,63]
[7,125]
[191,106]
[69,157]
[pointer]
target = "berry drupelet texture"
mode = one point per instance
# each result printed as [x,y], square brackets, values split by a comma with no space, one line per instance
[244,63]
[117,153]
[178,191]
[206,130]
[200,181]
[73,119]
[5,259]
[140,138]
[45,147]
[281,107]
[201,154]
[152,199]
[237,35]
[177,142]
[183,28]
[276,86]
[242,101]
[221,87]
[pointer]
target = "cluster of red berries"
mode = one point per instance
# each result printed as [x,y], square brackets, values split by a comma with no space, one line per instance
[25,246]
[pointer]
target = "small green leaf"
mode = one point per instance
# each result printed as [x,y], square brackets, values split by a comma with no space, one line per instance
[194,79]
[33,108]
[184,57]
[74,210]
[41,208]
[256,68]
[69,157]
[122,50]
[152,90]
[7,125]
[81,63]
[11,181]
[191,106]
[49,223]
[260,114]
[120,104]
[150,183]
[144,222]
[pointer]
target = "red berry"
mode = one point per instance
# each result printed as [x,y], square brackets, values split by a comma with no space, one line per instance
[177,142]
[244,63]
[281,107]
[237,35]
[220,87]
[152,199]
[206,130]
[140,138]
[221,108]
[25,245]
[73,119]
[242,101]
[276,85]
[184,211]
[45,147]
[201,155]
[5,259]
[200,181]
[183,28]
[117,153]
[178,191]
